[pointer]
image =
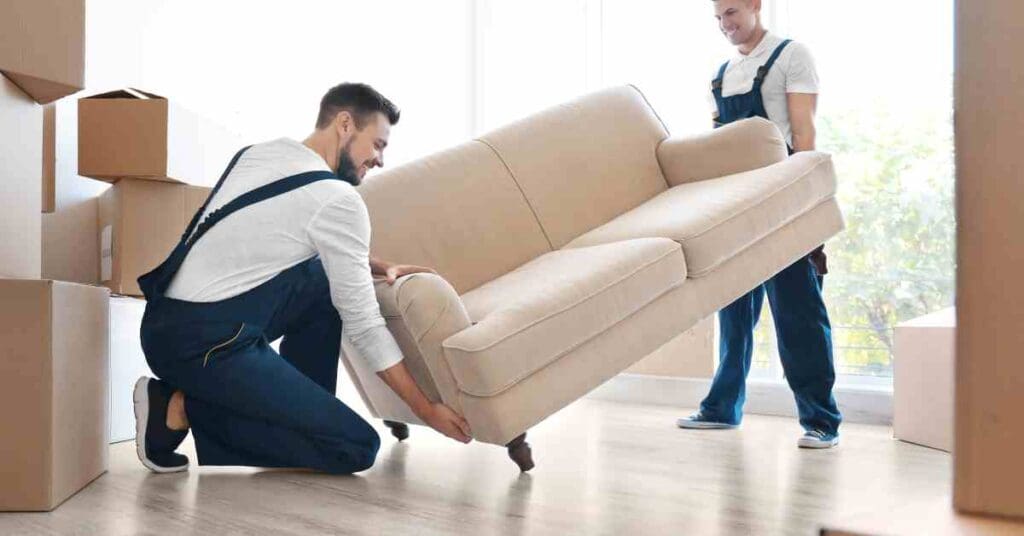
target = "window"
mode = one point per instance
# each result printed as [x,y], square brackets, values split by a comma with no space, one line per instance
[885,113]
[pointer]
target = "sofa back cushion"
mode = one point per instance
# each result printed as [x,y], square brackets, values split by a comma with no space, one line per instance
[584,162]
[457,211]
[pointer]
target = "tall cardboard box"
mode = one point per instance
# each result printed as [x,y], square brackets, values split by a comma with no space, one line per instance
[21,134]
[127,363]
[130,133]
[139,223]
[923,380]
[53,391]
[988,465]
[42,46]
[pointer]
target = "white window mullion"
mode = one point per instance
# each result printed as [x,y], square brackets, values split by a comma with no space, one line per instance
[770,16]
[478,17]
[594,13]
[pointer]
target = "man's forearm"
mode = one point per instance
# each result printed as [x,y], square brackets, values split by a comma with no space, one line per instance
[402,383]
[804,140]
[802,108]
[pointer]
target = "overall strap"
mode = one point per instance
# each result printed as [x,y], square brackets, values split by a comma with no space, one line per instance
[252,197]
[227,171]
[763,70]
[716,84]
[155,283]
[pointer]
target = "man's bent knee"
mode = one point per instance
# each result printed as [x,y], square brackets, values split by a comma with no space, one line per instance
[356,459]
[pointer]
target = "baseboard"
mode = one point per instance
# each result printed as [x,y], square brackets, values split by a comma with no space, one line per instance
[866,405]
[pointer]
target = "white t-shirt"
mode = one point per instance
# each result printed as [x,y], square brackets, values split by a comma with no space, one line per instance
[248,248]
[793,72]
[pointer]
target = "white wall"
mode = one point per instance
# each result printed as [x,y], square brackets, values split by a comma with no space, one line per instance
[259,70]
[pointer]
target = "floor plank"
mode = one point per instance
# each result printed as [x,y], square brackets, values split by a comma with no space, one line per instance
[602,468]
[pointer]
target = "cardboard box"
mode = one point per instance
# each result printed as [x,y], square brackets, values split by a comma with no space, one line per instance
[127,363]
[70,243]
[49,150]
[139,222]
[53,391]
[690,355]
[135,134]
[42,46]
[923,380]
[987,464]
[933,516]
[21,129]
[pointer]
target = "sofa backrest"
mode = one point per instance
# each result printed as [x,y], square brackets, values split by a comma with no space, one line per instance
[457,211]
[582,163]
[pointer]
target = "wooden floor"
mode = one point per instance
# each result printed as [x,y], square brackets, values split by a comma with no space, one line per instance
[602,468]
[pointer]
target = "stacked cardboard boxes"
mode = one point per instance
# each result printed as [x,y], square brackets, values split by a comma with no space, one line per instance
[62,396]
[153,152]
[53,335]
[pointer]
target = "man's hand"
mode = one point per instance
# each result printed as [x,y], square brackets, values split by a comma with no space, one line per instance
[398,270]
[435,414]
[441,418]
[393,271]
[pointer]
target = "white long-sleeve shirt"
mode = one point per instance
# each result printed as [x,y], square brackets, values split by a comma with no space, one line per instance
[326,218]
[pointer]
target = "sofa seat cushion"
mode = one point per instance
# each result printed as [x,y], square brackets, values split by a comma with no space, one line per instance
[530,317]
[716,219]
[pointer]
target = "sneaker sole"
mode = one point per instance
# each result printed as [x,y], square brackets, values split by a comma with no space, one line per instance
[687,424]
[140,395]
[817,444]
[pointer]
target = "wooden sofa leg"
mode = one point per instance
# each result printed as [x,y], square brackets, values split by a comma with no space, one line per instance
[519,451]
[398,429]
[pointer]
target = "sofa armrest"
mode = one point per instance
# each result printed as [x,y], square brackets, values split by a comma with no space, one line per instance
[431,311]
[734,148]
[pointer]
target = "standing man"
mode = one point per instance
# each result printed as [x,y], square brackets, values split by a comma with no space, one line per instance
[774,79]
[280,250]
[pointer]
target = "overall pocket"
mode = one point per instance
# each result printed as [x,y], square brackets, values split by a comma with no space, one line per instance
[223,346]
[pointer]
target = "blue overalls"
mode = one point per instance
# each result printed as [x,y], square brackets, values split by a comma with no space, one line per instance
[247,404]
[801,321]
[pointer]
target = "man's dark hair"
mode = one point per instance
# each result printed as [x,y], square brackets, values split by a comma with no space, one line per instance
[360,100]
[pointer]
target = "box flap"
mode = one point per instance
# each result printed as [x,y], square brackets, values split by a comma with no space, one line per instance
[126,93]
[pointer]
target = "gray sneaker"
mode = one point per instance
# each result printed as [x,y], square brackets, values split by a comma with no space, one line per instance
[698,421]
[816,439]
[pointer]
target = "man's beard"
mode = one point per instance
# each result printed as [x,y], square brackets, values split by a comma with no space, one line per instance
[347,167]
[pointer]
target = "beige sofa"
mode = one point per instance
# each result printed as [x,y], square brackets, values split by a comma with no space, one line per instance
[573,243]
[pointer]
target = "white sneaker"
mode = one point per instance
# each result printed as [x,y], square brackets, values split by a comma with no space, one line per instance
[698,421]
[816,439]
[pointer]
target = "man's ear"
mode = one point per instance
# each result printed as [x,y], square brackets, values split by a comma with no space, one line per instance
[344,123]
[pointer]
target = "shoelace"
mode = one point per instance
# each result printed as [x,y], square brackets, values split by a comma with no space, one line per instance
[817,434]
